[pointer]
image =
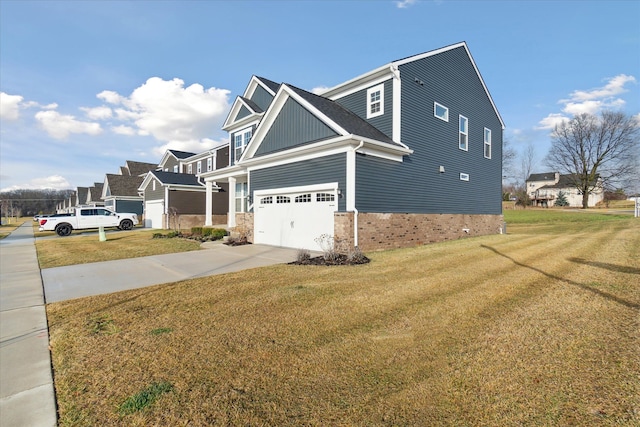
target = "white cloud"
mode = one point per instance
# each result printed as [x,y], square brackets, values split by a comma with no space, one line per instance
[551,121]
[171,112]
[405,3]
[615,86]
[10,106]
[591,101]
[110,97]
[53,182]
[319,90]
[123,130]
[60,126]
[97,113]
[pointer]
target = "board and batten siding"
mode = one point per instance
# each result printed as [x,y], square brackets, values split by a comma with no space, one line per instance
[294,126]
[261,97]
[417,185]
[357,103]
[321,170]
[244,112]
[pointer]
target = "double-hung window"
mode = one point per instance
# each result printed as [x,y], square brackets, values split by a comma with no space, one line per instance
[175,168]
[199,167]
[209,164]
[440,111]
[487,143]
[241,196]
[463,138]
[190,168]
[375,101]
[240,141]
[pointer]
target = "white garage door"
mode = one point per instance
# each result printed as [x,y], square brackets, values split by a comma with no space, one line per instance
[153,214]
[294,217]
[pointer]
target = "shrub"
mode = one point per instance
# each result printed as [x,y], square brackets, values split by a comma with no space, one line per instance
[197,231]
[303,255]
[328,246]
[356,256]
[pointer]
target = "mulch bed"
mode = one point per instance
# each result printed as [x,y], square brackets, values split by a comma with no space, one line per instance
[340,260]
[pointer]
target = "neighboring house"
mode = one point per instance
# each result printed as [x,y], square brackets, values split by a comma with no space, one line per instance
[81,195]
[120,191]
[543,190]
[177,200]
[94,195]
[172,161]
[406,154]
[169,194]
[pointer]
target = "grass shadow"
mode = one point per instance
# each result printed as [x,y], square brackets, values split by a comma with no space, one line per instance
[607,266]
[606,295]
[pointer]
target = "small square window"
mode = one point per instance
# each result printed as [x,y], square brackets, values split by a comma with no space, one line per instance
[283,199]
[440,111]
[464,177]
[303,198]
[375,101]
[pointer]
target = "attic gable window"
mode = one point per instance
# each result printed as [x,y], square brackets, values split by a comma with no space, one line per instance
[240,142]
[440,111]
[375,101]
[487,143]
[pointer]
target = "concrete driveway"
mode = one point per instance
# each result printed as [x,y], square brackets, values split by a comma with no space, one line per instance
[76,281]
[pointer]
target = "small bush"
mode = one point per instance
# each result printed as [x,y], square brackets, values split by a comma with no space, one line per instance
[197,231]
[303,255]
[356,256]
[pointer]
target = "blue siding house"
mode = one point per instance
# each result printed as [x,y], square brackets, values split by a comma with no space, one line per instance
[406,154]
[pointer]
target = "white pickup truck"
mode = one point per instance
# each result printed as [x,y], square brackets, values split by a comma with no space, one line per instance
[86,218]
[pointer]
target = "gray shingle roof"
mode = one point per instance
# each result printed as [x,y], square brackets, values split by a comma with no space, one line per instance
[177,178]
[270,84]
[95,191]
[546,176]
[181,154]
[140,168]
[252,104]
[346,119]
[123,185]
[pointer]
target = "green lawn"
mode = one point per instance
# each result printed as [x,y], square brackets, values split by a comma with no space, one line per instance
[537,327]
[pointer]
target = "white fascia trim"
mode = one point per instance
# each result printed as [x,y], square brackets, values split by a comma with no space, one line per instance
[272,113]
[356,84]
[165,157]
[250,120]
[251,87]
[332,186]
[131,198]
[235,109]
[224,173]
[188,187]
[146,181]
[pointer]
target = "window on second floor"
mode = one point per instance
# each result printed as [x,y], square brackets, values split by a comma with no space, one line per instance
[175,169]
[199,167]
[209,164]
[440,111]
[240,142]
[464,134]
[487,143]
[375,101]
[190,168]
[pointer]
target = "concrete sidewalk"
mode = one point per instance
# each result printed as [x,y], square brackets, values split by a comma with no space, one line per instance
[76,281]
[26,382]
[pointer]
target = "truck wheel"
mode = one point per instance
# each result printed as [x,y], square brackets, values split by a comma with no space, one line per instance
[126,224]
[63,229]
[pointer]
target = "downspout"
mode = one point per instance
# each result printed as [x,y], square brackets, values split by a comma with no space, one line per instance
[355,210]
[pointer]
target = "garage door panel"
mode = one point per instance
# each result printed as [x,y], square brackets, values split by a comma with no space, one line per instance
[294,219]
[153,212]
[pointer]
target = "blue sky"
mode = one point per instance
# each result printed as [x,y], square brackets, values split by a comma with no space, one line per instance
[87,85]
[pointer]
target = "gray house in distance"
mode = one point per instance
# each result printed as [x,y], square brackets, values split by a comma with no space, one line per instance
[406,154]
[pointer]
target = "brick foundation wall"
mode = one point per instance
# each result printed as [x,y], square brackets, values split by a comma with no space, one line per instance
[378,231]
[187,221]
[244,224]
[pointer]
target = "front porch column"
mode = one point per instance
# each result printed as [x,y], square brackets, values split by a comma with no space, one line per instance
[209,199]
[231,218]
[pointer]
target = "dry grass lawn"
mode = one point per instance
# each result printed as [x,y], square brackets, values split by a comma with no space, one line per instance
[537,327]
[71,250]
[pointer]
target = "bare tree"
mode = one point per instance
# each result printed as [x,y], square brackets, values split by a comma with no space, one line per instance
[509,155]
[527,163]
[595,150]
